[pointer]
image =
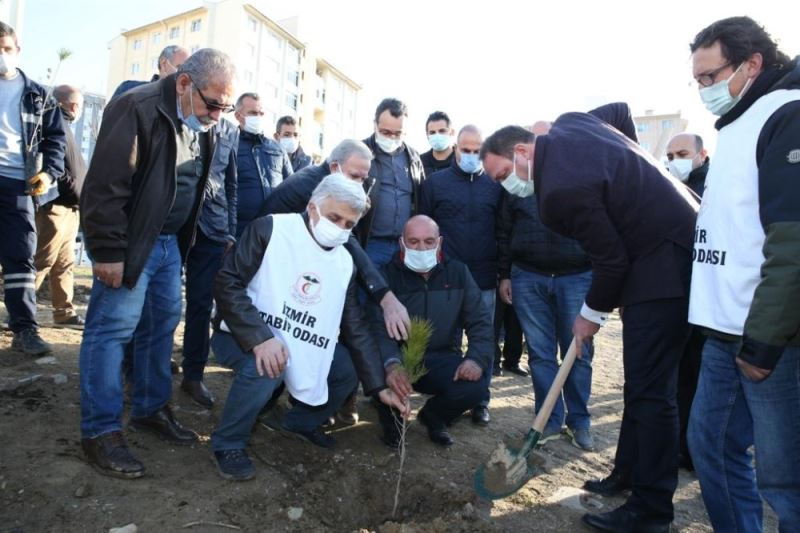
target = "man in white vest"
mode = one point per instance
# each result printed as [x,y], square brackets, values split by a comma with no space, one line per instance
[745,291]
[284,294]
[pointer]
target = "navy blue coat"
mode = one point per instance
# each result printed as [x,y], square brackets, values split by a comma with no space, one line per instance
[466,207]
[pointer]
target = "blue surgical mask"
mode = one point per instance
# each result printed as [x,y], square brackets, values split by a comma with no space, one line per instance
[192,122]
[439,142]
[718,98]
[420,261]
[516,185]
[470,163]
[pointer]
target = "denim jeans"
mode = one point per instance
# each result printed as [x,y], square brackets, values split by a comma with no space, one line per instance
[546,307]
[205,259]
[249,392]
[729,414]
[381,251]
[488,299]
[450,398]
[145,316]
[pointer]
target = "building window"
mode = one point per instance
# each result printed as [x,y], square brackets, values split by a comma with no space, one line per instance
[174,32]
[666,124]
[135,68]
[643,127]
[156,38]
[248,77]
[251,50]
[137,44]
[291,101]
[153,63]
[293,76]
[195,26]
[274,45]
[252,24]
[292,55]
[645,146]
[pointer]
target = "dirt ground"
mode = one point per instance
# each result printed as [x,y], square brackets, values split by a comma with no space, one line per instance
[45,485]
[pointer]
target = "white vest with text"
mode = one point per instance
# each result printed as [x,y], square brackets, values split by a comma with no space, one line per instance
[729,237]
[300,290]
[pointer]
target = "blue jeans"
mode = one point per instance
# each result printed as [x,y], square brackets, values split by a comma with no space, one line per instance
[145,316]
[546,307]
[202,264]
[488,298]
[250,392]
[450,398]
[729,414]
[381,251]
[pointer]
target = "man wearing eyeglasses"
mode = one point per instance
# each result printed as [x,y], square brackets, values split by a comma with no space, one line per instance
[746,280]
[169,60]
[139,206]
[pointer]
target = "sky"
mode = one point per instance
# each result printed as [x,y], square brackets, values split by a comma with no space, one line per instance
[489,63]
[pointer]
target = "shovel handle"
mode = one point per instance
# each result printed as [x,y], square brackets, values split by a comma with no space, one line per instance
[555,389]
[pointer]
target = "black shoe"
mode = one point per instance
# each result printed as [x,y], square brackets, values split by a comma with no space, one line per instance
[29,342]
[615,483]
[516,369]
[348,412]
[480,416]
[497,371]
[198,392]
[73,322]
[626,520]
[391,423]
[234,465]
[109,455]
[317,437]
[163,424]
[436,429]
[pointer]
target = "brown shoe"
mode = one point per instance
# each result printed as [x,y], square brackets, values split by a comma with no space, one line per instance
[163,424]
[109,455]
[348,412]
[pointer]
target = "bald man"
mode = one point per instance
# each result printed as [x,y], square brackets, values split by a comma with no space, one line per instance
[688,161]
[434,287]
[57,221]
[465,202]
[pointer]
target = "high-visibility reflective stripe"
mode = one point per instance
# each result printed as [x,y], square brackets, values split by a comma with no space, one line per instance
[23,275]
[9,286]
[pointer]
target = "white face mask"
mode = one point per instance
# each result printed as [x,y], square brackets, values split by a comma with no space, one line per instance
[253,124]
[289,144]
[420,261]
[328,234]
[8,64]
[681,168]
[516,185]
[388,144]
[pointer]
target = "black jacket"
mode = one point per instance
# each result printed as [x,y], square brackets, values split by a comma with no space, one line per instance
[292,196]
[131,184]
[697,178]
[218,215]
[525,242]
[450,299]
[299,159]
[248,328]
[466,207]
[71,182]
[430,164]
[373,186]
[636,222]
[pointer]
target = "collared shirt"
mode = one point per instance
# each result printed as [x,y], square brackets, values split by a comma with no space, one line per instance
[394,203]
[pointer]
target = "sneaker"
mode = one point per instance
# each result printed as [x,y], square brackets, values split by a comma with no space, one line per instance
[73,322]
[581,438]
[348,412]
[109,454]
[549,434]
[234,465]
[29,342]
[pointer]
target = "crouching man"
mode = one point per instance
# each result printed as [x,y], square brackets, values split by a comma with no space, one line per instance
[442,291]
[283,295]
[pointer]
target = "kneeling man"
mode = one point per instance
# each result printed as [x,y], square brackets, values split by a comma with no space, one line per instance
[282,295]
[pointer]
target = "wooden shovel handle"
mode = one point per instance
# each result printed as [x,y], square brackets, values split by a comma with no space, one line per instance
[555,389]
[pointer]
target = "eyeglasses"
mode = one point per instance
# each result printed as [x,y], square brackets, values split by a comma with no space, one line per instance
[708,79]
[210,104]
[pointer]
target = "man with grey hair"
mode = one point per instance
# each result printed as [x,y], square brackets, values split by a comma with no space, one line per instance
[170,59]
[283,296]
[139,206]
[57,221]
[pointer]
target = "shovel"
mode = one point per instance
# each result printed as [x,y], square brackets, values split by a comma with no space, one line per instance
[507,469]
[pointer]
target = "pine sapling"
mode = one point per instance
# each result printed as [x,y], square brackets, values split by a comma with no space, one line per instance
[413,353]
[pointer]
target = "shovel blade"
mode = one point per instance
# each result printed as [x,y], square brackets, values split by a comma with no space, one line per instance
[494,480]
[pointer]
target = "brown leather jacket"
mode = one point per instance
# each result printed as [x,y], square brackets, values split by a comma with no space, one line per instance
[130,187]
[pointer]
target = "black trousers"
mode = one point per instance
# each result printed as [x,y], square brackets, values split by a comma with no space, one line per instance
[17,248]
[654,335]
[688,374]
[507,324]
